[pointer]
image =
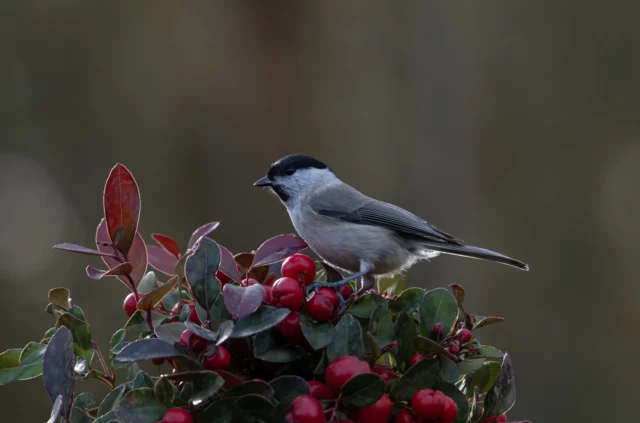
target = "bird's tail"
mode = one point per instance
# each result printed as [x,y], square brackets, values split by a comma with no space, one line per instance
[474,252]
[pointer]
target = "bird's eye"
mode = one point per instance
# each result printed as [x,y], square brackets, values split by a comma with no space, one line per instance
[290,171]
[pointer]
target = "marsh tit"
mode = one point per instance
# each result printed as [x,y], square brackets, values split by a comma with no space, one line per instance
[356,233]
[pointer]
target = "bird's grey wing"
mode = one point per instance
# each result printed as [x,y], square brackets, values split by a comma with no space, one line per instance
[348,204]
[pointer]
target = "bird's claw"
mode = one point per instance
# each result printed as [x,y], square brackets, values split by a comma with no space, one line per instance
[315,287]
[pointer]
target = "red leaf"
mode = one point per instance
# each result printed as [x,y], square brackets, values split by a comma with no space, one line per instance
[79,249]
[161,260]
[228,264]
[278,248]
[137,255]
[167,243]
[121,207]
[203,230]
[121,269]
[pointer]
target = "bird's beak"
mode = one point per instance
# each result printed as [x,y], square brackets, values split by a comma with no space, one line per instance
[263,182]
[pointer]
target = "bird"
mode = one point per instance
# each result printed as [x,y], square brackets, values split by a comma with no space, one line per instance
[355,233]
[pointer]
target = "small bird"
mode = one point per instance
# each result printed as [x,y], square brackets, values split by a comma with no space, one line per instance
[356,233]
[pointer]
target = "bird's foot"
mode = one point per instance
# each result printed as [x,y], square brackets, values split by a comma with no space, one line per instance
[315,287]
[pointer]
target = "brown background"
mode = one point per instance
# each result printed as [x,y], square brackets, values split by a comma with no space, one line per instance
[513,125]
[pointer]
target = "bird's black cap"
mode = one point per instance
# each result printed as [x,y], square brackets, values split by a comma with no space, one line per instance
[290,164]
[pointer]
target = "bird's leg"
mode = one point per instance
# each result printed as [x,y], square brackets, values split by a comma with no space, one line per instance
[368,282]
[365,267]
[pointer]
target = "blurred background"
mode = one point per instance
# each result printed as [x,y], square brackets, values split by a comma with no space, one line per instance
[513,125]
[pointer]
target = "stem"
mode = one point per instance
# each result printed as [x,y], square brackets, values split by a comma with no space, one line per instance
[111,384]
[103,363]
[149,321]
[334,410]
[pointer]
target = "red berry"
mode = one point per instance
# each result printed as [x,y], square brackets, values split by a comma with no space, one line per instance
[405,416]
[378,412]
[345,291]
[434,405]
[454,349]
[465,336]
[340,370]
[193,314]
[287,293]
[224,279]
[130,306]
[438,331]
[300,268]
[415,358]
[157,361]
[193,342]
[320,391]
[220,360]
[305,409]
[177,415]
[384,372]
[290,329]
[249,282]
[502,418]
[323,305]
[267,295]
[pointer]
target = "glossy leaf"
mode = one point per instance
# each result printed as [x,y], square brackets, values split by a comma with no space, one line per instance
[119,270]
[80,250]
[200,270]
[137,254]
[319,335]
[439,306]
[381,325]
[425,345]
[57,368]
[404,332]
[253,408]
[142,380]
[289,387]
[408,301]
[392,285]
[140,406]
[121,207]
[11,369]
[148,283]
[161,260]
[363,390]
[201,332]
[147,349]
[485,377]
[138,323]
[84,400]
[250,387]
[473,363]
[241,301]
[502,396]
[32,353]
[75,321]
[422,375]
[110,401]
[168,244]
[225,330]
[201,232]
[245,260]
[267,348]
[364,306]
[170,332]
[482,321]
[78,415]
[55,410]
[228,264]
[264,318]
[205,386]
[449,371]
[154,297]
[60,297]
[278,248]
[163,390]
[347,340]
[219,412]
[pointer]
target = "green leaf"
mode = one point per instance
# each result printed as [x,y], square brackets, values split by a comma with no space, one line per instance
[426,345]
[148,283]
[253,408]
[201,332]
[267,348]
[142,380]
[200,270]
[171,299]
[224,331]
[264,318]
[147,349]
[347,340]
[111,400]
[57,368]
[154,297]
[251,387]
[404,333]
[55,410]
[326,273]
[460,399]
[205,386]
[138,323]
[84,400]
[319,335]
[60,297]
[287,388]
[449,370]
[471,364]
[364,306]
[31,353]
[439,306]
[170,332]
[78,415]
[109,417]
[391,285]
[11,369]
[163,390]
[363,390]
[485,377]
[117,337]
[482,321]
[381,325]
[408,302]
[422,375]
[75,321]
[502,395]
[49,333]
[140,406]
[218,412]
[241,301]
